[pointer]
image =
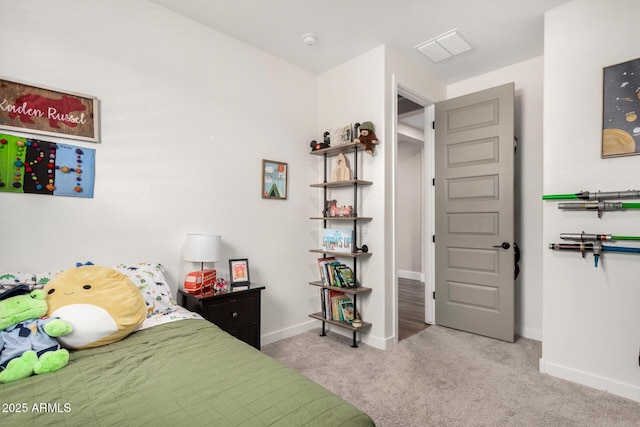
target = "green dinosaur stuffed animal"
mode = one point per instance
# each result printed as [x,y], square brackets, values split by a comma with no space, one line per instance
[26,343]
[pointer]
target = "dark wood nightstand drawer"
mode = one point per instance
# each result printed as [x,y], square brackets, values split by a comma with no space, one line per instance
[237,313]
[233,313]
[249,334]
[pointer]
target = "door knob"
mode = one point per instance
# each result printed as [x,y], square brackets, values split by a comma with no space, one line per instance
[504,245]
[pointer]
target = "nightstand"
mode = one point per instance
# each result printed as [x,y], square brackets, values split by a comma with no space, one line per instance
[237,313]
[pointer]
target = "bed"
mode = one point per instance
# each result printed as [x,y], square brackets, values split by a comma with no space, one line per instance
[177,370]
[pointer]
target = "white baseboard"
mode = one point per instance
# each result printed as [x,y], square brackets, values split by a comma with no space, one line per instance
[288,332]
[628,391]
[365,338]
[411,275]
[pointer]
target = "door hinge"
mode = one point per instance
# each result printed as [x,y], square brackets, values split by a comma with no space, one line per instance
[433,238]
[433,125]
[433,182]
[434,294]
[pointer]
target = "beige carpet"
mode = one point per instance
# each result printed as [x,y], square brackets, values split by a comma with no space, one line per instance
[443,377]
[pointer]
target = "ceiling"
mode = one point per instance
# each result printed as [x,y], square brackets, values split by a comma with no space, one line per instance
[503,32]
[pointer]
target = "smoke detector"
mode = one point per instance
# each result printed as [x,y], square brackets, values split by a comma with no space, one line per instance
[309,39]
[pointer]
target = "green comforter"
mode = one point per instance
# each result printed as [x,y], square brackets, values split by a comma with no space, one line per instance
[184,373]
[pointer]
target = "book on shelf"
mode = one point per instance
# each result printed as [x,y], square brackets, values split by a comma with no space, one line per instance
[331,271]
[336,308]
[337,240]
[347,310]
[322,262]
[326,303]
[331,302]
[335,273]
[346,276]
[323,302]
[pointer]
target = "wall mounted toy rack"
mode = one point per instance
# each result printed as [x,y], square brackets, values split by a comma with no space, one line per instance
[595,201]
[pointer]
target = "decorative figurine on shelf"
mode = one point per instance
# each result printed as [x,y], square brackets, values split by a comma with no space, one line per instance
[367,137]
[357,322]
[339,211]
[344,211]
[326,143]
[329,206]
[221,286]
[341,172]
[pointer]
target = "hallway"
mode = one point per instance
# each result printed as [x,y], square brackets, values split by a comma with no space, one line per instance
[410,308]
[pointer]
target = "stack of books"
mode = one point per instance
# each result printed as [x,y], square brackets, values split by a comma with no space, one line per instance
[334,273]
[337,306]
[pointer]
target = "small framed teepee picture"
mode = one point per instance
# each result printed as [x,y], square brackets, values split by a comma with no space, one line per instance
[274,179]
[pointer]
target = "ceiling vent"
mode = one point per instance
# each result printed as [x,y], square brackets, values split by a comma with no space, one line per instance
[445,46]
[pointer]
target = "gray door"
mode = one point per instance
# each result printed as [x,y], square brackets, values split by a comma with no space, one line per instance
[474,255]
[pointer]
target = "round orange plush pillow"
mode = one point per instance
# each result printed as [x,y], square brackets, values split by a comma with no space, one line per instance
[101,304]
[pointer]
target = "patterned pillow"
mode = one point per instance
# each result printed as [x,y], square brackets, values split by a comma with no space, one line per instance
[33,280]
[150,280]
[14,278]
[10,280]
[43,278]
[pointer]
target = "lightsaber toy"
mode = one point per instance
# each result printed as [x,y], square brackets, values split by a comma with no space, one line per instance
[592,242]
[584,237]
[595,201]
[598,195]
[599,206]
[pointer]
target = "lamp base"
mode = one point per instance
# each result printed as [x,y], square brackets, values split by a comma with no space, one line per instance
[200,282]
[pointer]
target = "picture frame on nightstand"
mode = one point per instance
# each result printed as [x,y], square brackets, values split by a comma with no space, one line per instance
[239,273]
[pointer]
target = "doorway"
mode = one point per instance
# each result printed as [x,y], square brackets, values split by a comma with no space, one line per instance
[492,304]
[413,220]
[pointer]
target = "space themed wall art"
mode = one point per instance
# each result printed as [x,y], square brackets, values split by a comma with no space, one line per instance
[621,109]
[33,166]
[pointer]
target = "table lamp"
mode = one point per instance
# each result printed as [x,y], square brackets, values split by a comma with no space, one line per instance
[201,248]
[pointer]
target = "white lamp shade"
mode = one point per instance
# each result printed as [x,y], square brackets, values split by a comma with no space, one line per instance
[202,248]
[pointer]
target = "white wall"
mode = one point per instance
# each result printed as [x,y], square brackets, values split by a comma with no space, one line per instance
[343,100]
[187,115]
[591,316]
[365,89]
[528,78]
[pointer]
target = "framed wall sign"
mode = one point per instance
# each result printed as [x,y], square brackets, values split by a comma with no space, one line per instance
[342,135]
[620,111]
[40,110]
[274,179]
[337,240]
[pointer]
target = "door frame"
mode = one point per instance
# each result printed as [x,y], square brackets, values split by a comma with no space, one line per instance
[428,201]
